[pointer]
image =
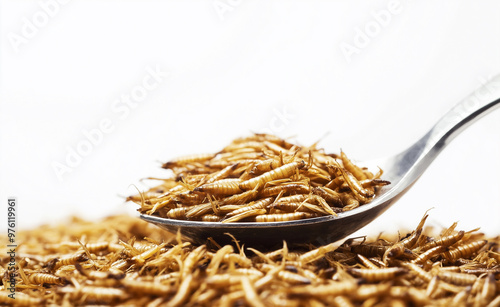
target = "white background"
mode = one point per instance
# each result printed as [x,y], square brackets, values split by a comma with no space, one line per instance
[233,67]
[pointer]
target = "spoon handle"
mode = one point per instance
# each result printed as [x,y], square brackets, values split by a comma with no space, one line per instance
[415,160]
[481,102]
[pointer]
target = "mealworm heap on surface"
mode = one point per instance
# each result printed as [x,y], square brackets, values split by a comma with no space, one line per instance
[128,262]
[260,178]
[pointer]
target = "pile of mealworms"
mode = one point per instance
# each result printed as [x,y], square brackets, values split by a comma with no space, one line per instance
[124,260]
[261,178]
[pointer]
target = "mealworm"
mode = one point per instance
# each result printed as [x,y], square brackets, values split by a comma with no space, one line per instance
[221,187]
[284,217]
[284,171]
[464,251]
[377,274]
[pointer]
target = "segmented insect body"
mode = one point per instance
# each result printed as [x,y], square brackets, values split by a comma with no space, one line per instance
[266,166]
[369,250]
[464,251]
[299,206]
[239,199]
[318,253]
[177,213]
[495,302]
[95,275]
[287,189]
[446,268]
[418,297]
[191,261]
[244,215]
[226,280]
[199,210]
[457,278]
[96,247]
[260,204]
[432,287]
[43,278]
[211,218]
[445,241]
[355,170]
[293,278]
[183,292]
[415,235]
[365,292]
[120,265]
[284,217]
[429,254]
[167,278]
[393,251]
[377,274]
[250,293]
[361,193]
[284,171]
[366,262]
[248,271]
[322,203]
[329,195]
[460,298]
[370,183]
[187,198]
[204,298]
[141,258]
[282,300]
[147,287]
[489,288]
[377,261]
[218,258]
[335,184]
[221,174]
[241,260]
[418,271]
[349,202]
[316,174]
[330,289]
[313,277]
[221,187]
[342,301]
[67,260]
[293,198]
[275,147]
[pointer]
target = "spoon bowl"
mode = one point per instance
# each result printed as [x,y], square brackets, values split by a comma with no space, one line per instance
[402,170]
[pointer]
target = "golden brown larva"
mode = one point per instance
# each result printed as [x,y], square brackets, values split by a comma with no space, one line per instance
[255,168]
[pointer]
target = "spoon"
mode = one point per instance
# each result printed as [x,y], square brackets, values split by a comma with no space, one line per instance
[402,170]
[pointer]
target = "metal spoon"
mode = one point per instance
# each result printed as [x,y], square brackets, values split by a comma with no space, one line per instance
[402,170]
